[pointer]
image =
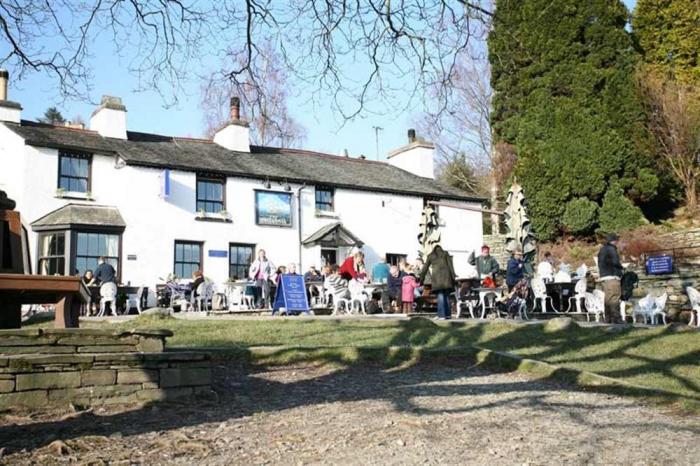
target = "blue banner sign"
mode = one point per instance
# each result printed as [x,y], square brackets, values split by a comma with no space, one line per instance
[218,253]
[659,265]
[291,295]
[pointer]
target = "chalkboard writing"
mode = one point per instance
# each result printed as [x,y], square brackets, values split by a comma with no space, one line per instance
[291,295]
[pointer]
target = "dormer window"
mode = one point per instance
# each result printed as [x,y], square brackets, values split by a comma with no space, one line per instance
[74,172]
[210,194]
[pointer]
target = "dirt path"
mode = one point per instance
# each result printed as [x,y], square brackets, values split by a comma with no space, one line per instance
[363,415]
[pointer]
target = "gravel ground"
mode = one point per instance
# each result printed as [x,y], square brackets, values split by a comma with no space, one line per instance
[426,414]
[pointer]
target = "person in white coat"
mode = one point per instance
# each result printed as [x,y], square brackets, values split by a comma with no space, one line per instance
[261,271]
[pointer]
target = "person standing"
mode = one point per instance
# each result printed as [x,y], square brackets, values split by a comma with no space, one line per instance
[408,289]
[486,265]
[443,279]
[261,271]
[105,273]
[353,266]
[380,272]
[610,271]
[515,270]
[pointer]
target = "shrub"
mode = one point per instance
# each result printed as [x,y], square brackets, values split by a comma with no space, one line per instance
[580,216]
[617,213]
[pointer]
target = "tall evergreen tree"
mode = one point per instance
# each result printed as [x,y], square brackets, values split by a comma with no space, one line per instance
[668,33]
[52,116]
[562,73]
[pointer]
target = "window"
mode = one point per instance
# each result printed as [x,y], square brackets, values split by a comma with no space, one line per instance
[91,246]
[240,256]
[74,172]
[210,195]
[324,199]
[52,253]
[188,258]
[394,259]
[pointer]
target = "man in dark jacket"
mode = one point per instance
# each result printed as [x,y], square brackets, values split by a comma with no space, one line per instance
[516,269]
[442,272]
[610,271]
[105,273]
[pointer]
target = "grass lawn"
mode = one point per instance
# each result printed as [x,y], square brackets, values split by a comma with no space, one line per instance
[661,358]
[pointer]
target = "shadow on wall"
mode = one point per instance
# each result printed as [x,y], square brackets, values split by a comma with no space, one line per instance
[244,391]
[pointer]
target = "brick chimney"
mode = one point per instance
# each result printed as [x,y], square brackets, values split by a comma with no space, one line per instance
[109,119]
[9,111]
[236,134]
[415,157]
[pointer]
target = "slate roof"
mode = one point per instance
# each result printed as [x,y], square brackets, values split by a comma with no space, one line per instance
[81,214]
[336,229]
[271,163]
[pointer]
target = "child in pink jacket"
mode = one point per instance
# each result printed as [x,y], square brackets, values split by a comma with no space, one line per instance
[408,287]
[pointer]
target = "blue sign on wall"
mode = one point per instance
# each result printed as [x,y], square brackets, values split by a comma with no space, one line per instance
[165,184]
[291,295]
[218,253]
[659,265]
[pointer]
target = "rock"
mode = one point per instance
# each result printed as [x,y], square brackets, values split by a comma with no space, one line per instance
[59,448]
[401,443]
[559,324]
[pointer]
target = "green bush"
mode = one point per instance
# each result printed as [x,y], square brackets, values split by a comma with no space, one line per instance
[617,212]
[580,216]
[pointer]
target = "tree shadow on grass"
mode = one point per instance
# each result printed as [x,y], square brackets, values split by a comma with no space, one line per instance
[395,374]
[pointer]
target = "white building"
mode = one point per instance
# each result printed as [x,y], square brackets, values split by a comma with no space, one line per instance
[157,205]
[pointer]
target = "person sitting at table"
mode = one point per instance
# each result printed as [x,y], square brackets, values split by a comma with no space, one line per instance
[336,284]
[105,273]
[312,275]
[88,279]
[380,272]
[516,269]
[486,265]
[545,269]
[281,270]
[292,269]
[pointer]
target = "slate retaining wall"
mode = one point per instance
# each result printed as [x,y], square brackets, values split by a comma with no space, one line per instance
[86,367]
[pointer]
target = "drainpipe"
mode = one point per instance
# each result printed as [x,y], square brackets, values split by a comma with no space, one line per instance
[301,268]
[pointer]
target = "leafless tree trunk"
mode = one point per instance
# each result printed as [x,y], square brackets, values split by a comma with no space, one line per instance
[673,111]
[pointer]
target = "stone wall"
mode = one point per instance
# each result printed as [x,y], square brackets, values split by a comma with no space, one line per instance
[497,243]
[92,367]
[673,284]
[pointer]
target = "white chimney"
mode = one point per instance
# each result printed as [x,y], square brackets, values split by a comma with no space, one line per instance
[9,111]
[415,157]
[236,134]
[109,119]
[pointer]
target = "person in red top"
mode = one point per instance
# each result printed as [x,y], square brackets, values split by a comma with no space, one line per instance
[353,266]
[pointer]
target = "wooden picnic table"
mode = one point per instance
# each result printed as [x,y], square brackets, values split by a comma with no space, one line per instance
[67,293]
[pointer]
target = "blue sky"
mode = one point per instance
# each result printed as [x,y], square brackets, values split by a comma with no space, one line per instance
[147,112]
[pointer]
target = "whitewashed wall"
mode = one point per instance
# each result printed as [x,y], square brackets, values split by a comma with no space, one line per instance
[386,223]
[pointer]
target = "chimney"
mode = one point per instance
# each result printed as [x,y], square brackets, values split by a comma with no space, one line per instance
[415,157]
[236,134]
[411,135]
[9,111]
[109,119]
[74,125]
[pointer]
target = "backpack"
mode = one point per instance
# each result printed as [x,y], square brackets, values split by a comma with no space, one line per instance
[628,283]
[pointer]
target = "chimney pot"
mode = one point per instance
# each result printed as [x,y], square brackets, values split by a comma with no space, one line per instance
[411,135]
[362,157]
[4,78]
[235,109]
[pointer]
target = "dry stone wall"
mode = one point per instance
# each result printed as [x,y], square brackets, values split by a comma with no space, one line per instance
[40,367]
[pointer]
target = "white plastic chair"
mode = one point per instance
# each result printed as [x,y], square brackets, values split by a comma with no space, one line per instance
[357,296]
[317,295]
[205,292]
[341,298]
[108,294]
[595,304]
[644,308]
[659,309]
[694,298]
[539,289]
[134,300]
[579,296]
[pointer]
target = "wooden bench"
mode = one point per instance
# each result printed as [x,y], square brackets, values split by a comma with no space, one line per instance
[67,293]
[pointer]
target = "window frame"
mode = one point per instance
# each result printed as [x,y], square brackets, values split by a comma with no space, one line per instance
[99,231]
[246,266]
[41,258]
[210,179]
[188,242]
[328,189]
[390,255]
[74,155]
